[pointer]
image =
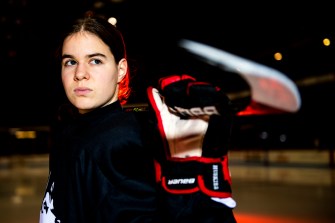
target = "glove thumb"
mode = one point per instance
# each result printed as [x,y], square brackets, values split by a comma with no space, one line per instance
[155,99]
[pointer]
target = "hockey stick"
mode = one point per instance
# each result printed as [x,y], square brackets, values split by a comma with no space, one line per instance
[268,86]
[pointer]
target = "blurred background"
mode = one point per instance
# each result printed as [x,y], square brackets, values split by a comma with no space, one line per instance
[282,164]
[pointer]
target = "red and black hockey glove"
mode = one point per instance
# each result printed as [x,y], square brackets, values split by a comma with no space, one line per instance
[193,120]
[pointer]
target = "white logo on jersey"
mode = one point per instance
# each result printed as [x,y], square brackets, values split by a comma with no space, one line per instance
[46,214]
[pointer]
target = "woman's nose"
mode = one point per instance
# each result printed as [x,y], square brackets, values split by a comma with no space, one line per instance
[81,72]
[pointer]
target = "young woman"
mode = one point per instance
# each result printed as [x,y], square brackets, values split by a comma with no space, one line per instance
[101,166]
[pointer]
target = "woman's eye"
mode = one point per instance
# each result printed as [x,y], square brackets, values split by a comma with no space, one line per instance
[96,61]
[70,63]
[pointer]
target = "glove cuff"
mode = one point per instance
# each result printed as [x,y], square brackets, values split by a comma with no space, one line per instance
[189,175]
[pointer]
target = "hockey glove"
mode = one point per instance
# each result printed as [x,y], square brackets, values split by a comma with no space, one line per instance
[193,120]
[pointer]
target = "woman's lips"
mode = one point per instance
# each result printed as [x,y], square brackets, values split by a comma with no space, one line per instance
[82,91]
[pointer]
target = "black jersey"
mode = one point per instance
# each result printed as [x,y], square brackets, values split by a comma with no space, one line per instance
[102,171]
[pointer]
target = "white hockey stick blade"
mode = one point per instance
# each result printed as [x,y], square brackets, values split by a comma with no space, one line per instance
[268,86]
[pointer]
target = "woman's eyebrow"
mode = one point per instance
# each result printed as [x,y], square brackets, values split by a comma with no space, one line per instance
[88,56]
[67,56]
[96,54]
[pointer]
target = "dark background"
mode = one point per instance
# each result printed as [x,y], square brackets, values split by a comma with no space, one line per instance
[30,78]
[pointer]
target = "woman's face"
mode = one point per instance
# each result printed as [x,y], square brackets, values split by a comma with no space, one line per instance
[90,75]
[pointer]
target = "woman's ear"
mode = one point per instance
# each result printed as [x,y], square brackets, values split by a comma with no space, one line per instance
[122,69]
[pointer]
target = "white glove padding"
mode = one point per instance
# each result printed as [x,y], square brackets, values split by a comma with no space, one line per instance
[184,136]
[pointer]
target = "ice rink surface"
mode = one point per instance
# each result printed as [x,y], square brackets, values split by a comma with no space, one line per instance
[264,193]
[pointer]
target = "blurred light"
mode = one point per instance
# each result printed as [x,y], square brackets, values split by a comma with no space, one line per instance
[314,80]
[264,135]
[326,41]
[278,56]
[282,138]
[112,20]
[98,4]
[25,134]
